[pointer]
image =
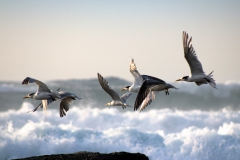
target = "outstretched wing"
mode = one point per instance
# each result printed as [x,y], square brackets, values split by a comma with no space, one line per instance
[108,89]
[41,86]
[148,100]
[125,96]
[64,94]
[191,57]
[144,93]
[138,80]
[64,106]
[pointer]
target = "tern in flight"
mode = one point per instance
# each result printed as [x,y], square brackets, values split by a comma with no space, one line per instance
[137,83]
[66,99]
[43,93]
[117,100]
[145,98]
[197,74]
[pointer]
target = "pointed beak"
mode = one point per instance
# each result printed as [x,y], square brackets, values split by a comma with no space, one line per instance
[178,80]
[123,89]
[25,97]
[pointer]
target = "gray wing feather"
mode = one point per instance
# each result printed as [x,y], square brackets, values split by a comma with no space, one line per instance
[191,57]
[143,95]
[66,100]
[41,86]
[67,94]
[108,89]
[125,96]
[147,101]
[64,106]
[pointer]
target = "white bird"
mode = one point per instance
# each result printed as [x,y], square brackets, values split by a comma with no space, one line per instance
[66,99]
[197,74]
[43,93]
[117,100]
[149,85]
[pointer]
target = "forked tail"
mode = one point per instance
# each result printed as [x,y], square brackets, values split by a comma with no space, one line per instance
[211,81]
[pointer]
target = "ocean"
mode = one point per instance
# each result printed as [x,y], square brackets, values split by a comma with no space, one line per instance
[192,123]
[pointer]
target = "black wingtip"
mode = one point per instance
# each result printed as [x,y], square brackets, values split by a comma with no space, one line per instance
[25,81]
[99,76]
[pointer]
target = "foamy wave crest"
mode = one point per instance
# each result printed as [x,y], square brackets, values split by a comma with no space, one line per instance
[160,134]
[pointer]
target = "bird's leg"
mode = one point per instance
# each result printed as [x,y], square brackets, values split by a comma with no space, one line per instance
[166,91]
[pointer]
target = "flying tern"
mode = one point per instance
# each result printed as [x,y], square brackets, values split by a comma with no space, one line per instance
[117,100]
[138,82]
[197,74]
[66,99]
[43,93]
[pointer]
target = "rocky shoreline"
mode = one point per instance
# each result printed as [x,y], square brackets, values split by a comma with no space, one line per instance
[84,155]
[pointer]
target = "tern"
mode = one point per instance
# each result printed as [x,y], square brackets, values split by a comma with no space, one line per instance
[197,74]
[145,100]
[66,99]
[43,93]
[117,100]
[137,83]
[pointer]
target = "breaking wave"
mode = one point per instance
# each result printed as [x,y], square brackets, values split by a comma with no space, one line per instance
[158,133]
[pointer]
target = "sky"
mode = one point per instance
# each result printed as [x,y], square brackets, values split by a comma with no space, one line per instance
[60,40]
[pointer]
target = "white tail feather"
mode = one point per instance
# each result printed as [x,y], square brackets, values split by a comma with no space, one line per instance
[211,81]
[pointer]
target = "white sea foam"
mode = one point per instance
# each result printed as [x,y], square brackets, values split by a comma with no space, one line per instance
[160,134]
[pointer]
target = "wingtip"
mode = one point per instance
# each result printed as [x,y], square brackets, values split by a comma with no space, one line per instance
[132,60]
[25,81]
[135,108]
[79,98]
[99,76]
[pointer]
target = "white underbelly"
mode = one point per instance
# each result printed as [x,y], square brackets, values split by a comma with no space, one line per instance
[196,78]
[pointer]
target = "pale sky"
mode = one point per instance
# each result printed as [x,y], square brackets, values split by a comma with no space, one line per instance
[60,40]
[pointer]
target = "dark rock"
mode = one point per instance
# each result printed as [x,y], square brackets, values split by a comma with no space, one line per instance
[83,155]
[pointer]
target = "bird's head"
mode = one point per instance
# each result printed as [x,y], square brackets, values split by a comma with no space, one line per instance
[29,96]
[109,103]
[185,78]
[125,88]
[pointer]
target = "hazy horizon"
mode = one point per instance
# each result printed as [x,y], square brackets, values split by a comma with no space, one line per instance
[59,40]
